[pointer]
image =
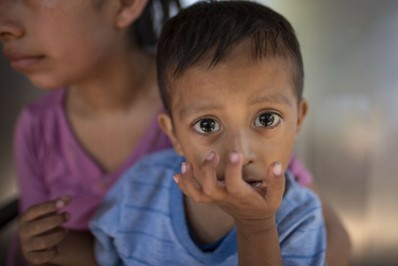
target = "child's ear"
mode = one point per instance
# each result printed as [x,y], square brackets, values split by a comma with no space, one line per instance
[129,11]
[302,113]
[166,124]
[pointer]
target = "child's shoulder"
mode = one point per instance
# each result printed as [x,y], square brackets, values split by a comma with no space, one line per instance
[297,192]
[146,183]
[155,170]
[157,165]
[165,159]
[299,206]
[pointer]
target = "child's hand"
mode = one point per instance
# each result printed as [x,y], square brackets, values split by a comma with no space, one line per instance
[40,230]
[250,206]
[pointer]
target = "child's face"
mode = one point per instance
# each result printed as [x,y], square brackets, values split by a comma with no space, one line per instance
[239,105]
[57,42]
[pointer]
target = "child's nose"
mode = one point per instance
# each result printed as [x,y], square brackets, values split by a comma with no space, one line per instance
[9,26]
[241,142]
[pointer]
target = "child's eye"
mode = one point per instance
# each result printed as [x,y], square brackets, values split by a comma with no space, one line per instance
[269,120]
[206,125]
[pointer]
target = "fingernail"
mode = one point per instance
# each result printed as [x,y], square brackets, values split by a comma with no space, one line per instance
[277,168]
[183,167]
[59,204]
[65,199]
[234,157]
[176,179]
[210,156]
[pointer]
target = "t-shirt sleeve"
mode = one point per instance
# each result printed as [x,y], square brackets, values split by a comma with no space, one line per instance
[104,227]
[31,184]
[301,228]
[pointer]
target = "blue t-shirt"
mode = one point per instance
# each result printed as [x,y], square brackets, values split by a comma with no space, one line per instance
[142,221]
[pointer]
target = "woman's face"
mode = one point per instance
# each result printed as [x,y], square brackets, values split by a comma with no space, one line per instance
[56,42]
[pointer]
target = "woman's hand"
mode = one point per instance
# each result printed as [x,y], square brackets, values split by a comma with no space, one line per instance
[40,230]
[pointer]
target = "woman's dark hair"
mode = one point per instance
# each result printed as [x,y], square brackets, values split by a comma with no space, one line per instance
[156,13]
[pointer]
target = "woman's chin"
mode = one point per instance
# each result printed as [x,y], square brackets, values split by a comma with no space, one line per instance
[45,83]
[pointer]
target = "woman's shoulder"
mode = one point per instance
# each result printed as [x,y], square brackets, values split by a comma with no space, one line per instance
[42,110]
[47,103]
[40,118]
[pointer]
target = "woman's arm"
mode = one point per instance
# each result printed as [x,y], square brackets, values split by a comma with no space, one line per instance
[42,237]
[31,184]
[76,249]
[338,241]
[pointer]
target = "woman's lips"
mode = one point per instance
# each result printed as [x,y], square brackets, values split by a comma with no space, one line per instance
[23,62]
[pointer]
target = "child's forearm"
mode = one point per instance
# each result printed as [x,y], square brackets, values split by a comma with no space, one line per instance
[76,249]
[258,244]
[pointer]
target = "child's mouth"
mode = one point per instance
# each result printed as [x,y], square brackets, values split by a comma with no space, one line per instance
[254,183]
[258,185]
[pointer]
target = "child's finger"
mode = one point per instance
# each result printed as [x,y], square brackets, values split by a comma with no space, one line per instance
[43,225]
[233,175]
[41,209]
[275,184]
[188,184]
[46,241]
[208,177]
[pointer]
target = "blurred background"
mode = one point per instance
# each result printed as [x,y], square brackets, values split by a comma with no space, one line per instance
[350,138]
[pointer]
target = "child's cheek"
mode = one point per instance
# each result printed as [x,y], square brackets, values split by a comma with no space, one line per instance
[197,158]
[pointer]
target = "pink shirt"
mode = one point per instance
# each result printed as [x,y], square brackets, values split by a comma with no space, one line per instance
[51,162]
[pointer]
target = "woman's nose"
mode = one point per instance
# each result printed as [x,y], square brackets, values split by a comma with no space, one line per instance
[9,31]
[10,28]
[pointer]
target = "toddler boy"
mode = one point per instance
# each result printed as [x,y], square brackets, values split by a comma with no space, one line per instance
[231,77]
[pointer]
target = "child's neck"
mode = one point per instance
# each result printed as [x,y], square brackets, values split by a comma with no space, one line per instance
[116,86]
[208,223]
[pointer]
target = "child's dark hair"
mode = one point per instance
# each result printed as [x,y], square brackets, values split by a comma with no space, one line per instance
[155,14]
[208,31]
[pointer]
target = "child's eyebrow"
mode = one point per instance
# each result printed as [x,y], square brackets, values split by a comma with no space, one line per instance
[192,109]
[277,98]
